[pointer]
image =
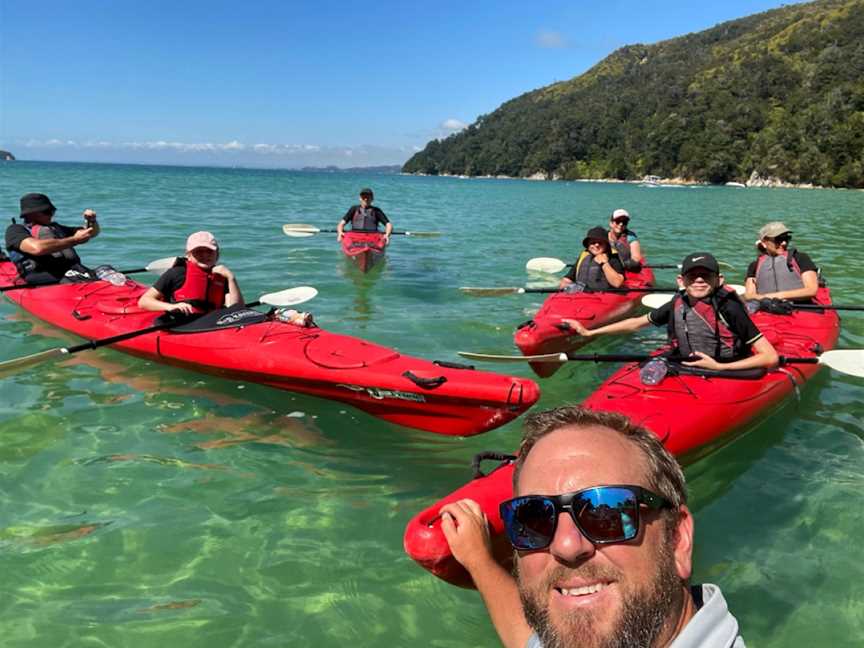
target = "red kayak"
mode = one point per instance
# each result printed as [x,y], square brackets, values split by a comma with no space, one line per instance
[366,249]
[692,414]
[444,398]
[544,333]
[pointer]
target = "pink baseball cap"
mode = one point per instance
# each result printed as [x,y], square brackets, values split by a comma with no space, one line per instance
[201,239]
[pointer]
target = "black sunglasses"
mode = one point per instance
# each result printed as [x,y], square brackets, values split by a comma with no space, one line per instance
[621,220]
[604,515]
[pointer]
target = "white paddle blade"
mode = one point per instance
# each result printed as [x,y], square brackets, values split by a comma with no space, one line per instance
[289,297]
[422,234]
[848,361]
[299,229]
[159,266]
[492,292]
[545,264]
[11,366]
[485,357]
[656,300]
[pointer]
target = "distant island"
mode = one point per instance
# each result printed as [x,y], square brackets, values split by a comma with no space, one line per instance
[387,168]
[770,99]
[6,155]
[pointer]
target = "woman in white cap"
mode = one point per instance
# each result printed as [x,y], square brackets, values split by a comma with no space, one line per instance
[625,240]
[781,271]
[195,284]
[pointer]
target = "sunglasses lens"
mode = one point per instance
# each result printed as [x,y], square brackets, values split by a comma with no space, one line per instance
[529,521]
[608,514]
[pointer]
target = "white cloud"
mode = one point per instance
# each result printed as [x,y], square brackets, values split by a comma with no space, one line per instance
[232,152]
[550,40]
[453,125]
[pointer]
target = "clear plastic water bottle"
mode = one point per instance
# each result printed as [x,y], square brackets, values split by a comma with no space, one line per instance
[109,274]
[653,372]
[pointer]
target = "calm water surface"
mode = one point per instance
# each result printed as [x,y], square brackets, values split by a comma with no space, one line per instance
[147,506]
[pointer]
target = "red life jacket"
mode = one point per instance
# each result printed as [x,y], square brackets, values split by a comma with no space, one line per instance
[204,290]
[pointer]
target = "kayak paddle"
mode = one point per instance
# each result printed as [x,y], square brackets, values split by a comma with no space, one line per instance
[302,229]
[157,267]
[658,299]
[552,265]
[520,290]
[848,361]
[289,297]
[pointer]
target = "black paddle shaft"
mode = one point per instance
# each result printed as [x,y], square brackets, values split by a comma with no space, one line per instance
[95,344]
[649,289]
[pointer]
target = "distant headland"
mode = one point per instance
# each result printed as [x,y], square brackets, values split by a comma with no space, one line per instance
[6,155]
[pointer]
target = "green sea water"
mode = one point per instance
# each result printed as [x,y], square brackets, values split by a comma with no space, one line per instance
[143,506]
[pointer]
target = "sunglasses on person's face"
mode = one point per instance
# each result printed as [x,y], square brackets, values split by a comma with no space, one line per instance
[621,221]
[604,515]
[701,273]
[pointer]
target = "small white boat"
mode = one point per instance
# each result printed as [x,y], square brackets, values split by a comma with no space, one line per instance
[736,184]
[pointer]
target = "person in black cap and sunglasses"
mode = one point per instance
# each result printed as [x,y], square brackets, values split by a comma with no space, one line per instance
[365,217]
[44,251]
[603,542]
[708,324]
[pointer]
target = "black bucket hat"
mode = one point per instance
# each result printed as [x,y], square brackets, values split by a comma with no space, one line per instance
[596,234]
[36,203]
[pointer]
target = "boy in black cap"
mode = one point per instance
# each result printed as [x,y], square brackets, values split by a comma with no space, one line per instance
[42,250]
[706,322]
[365,218]
[598,266]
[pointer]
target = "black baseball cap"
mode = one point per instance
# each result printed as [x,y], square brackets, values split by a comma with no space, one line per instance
[36,203]
[366,191]
[700,260]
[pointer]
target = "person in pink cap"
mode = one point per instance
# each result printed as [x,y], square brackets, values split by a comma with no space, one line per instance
[195,284]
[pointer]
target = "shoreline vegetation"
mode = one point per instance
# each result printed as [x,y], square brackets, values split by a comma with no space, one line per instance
[775,99]
[755,181]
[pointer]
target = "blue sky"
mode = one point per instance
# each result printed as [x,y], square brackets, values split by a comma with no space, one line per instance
[290,83]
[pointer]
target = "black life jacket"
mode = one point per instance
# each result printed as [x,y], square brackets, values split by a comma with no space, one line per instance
[364,220]
[621,245]
[589,273]
[56,263]
[204,290]
[701,327]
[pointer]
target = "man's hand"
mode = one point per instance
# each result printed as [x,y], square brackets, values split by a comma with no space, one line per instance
[704,362]
[467,532]
[82,235]
[601,258]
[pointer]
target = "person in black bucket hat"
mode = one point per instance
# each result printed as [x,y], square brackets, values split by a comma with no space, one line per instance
[707,323]
[365,217]
[44,251]
[598,266]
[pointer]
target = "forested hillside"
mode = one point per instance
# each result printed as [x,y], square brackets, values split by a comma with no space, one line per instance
[780,93]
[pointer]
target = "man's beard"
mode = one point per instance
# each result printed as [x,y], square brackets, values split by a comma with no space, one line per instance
[643,616]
